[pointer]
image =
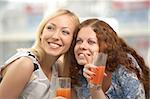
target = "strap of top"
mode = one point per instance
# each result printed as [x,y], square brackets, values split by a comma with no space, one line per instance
[35,62]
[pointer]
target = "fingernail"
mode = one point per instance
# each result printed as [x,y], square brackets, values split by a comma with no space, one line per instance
[94,74]
[91,78]
[96,68]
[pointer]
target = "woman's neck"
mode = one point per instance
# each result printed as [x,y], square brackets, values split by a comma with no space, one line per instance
[46,64]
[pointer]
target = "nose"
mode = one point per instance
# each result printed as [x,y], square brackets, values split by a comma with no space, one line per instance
[83,46]
[56,35]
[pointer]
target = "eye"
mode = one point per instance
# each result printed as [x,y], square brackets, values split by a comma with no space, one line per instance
[65,32]
[50,27]
[91,42]
[78,41]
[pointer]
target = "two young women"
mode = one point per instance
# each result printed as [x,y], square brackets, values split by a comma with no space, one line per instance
[31,73]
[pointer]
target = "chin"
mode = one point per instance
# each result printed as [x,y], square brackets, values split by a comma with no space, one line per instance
[53,54]
[81,62]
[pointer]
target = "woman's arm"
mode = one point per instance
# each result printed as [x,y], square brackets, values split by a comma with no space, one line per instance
[97,94]
[15,78]
[130,85]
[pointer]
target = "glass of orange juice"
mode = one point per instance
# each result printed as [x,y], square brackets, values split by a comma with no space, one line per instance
[99,60]
[64,87]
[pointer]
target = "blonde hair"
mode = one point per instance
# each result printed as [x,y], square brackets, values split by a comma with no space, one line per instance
[36,48]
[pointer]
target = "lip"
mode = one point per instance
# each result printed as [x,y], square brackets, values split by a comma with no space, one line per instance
[54,45]
[81,57]
[85,54]
[81,54]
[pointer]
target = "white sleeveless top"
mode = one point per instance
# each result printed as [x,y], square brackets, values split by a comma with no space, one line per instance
[39,86]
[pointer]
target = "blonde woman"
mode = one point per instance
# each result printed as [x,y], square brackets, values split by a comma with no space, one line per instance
[31,73]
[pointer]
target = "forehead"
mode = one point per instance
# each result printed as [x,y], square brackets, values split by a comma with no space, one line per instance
[86,32]
[63,21]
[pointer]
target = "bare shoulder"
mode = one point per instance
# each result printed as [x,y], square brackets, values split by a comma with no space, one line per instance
[17,75]
[23,63]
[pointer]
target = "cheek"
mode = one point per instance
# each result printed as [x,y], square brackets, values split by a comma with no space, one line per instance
[42,35]
[96,48]
[68,42]
[93,50]
[75,50]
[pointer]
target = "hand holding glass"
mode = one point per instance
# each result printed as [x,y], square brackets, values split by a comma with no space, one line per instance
[64,87]
[100,61]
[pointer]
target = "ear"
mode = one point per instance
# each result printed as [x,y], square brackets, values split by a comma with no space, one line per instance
[40,37]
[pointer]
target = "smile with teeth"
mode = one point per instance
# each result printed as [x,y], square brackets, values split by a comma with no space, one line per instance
[54,45]
[83,55]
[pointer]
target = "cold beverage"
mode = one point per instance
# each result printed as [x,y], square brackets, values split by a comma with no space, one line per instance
[63,87]
[64,92]
[98,78]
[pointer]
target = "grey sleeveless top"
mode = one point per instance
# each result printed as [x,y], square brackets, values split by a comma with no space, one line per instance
[39,86]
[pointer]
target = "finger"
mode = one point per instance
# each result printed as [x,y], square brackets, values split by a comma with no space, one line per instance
[105,74]
[88,77]
[59,97]
[89,58]
[88,72]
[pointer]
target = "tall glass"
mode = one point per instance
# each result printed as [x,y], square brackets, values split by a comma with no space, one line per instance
[99,60]
[64,87]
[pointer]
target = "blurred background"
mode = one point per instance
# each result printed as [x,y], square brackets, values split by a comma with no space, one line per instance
[20,18]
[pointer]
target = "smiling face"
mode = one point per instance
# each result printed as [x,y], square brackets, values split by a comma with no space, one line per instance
[86,45]
[57,35]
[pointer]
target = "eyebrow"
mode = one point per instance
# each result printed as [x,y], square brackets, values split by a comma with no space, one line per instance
[56,25]
[88,38]
[93,38]
[51,24]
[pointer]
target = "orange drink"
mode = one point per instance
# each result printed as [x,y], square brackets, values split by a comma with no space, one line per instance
[64,92]
[63,87]
[99,60]
[98,78]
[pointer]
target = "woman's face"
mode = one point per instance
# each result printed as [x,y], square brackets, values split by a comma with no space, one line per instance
[86,45]
[57,35]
